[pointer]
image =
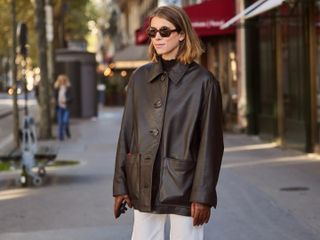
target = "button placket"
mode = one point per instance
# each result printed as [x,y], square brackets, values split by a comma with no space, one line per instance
[161,88]
[158,104]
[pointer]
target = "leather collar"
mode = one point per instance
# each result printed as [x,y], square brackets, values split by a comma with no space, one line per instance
[175,74]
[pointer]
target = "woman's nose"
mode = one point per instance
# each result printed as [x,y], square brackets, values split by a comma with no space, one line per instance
[158,36]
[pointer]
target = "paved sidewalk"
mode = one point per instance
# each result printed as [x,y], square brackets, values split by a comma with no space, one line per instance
[256,192]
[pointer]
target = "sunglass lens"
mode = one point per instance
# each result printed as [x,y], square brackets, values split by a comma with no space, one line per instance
[165,32]
[152,33]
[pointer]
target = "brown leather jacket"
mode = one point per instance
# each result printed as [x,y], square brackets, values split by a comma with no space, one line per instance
[182,108]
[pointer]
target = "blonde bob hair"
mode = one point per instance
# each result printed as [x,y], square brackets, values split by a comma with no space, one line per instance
[62,80]
[190,48]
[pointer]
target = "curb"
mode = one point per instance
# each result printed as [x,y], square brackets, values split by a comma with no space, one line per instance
[9,112]
[5,114]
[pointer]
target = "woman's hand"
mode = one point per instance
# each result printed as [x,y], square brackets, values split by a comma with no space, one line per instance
[117,203]
[200,213]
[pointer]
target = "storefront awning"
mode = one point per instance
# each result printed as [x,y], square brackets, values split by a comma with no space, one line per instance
[207,17]
[266,6]
[132,56]
[253,10]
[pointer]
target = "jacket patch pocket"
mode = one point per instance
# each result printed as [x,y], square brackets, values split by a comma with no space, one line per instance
[176,181]
[133,174]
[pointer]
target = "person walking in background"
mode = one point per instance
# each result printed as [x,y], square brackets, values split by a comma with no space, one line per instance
[170,144]
[63,99]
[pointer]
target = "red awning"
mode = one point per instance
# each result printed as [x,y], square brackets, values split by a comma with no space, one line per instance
[207,17]
[141,33]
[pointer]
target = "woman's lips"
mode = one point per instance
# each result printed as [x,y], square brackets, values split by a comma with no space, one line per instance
[158,45]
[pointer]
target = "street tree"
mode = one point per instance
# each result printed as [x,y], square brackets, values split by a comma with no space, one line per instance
[71,19]
[44,92]
[70,23]
[14,75]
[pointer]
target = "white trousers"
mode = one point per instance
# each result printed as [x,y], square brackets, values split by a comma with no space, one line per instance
[150,226]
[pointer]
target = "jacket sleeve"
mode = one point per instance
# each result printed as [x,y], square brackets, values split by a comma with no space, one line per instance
[124,141]
[69,97]
[211,147]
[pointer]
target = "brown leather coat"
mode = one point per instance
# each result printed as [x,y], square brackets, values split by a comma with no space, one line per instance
[183,108]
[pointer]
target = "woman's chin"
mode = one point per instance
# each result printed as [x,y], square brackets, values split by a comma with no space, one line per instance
[159,52]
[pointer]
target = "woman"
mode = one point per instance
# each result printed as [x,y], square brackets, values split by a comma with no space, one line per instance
[63,99]
[171,144]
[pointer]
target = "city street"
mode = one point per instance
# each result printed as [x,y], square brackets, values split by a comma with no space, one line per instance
[264,192]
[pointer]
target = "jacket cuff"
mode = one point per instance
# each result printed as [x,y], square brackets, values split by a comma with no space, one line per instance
[205,197]
[119,189]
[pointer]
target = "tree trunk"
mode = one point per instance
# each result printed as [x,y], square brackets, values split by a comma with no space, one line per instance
[14,75]
[50,52]
[44,93]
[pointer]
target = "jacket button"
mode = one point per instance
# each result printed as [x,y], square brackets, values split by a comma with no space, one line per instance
[154,132]
[157,104]
[164,76]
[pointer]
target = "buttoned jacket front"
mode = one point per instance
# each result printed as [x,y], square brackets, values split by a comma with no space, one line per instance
[182,110]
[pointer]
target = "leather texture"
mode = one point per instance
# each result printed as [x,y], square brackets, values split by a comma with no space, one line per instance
[182,109]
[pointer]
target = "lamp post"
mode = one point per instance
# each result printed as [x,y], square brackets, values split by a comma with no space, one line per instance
[49,37]
[22,35]
[14,75]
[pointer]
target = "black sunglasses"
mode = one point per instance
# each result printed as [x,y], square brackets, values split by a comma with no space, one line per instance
[164,32]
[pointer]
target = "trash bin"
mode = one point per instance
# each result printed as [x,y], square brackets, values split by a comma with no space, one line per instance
[80,66]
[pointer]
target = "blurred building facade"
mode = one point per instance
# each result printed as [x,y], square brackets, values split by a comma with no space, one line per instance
[282,71]
[133,15]
[219,56]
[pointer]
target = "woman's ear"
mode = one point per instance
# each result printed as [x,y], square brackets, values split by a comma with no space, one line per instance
[182,36]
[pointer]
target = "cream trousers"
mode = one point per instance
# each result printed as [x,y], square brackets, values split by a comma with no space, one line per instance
[150,226]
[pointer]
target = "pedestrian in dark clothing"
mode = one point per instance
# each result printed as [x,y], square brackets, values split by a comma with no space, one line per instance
[170,145]
[63,99]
